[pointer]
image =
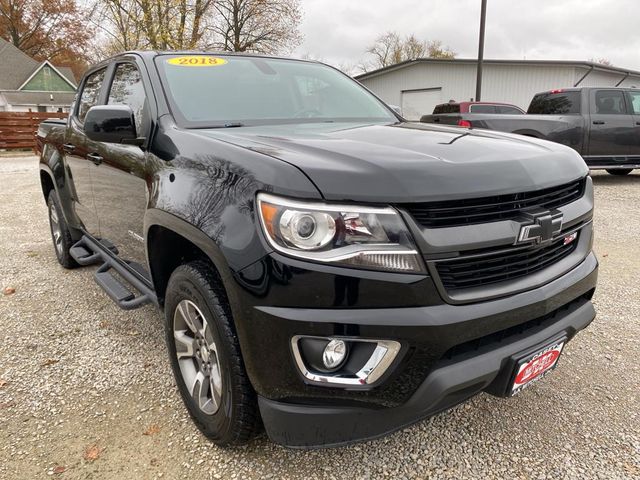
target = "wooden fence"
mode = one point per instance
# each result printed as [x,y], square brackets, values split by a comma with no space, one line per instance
[18,129]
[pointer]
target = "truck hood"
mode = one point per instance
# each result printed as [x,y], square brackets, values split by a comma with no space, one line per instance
[410,161]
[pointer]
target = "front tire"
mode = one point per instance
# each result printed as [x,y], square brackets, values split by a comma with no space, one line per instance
[205,356]
[60,232]
[619,171]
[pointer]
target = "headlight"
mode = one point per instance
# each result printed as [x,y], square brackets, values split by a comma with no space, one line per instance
[364,237]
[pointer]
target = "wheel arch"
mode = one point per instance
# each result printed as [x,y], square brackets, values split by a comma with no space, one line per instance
[46,182]
[529,133]
[171,242]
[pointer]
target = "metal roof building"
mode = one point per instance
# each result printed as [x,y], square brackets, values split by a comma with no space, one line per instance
[416,86]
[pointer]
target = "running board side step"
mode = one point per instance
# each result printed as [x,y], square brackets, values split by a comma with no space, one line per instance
[87,252]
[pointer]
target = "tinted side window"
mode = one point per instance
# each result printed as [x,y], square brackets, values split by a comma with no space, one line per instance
[634,101]
[560,103]
[508,110]
[127,89]
[482,109]
[608,102]
[90,93]
[447,108]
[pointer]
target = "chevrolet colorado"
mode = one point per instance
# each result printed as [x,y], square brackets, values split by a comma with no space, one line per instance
[324,267]
[601,124]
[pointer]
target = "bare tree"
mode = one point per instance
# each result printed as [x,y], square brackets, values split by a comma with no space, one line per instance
[390,48]
[387,49]
[154,24]
[265,26]
[435,49]
[601,61]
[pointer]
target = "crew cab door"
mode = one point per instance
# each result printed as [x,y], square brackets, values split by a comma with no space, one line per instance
[611,128]
[76,148]
[633,102]
[120,177]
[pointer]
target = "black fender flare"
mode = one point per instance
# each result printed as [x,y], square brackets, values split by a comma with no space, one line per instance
[160,218]
[51,164]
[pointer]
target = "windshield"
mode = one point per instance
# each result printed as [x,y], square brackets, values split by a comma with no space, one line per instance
[219,91]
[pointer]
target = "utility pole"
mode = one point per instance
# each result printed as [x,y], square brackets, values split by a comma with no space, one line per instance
[483,16]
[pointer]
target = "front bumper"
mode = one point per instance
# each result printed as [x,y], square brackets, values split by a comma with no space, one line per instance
[449,352]
[298,425]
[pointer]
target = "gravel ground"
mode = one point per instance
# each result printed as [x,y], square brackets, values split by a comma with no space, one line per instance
[86,390]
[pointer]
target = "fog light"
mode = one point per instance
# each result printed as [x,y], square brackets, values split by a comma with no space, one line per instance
[334,354]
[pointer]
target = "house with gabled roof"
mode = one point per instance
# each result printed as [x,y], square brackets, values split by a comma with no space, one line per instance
[27,85]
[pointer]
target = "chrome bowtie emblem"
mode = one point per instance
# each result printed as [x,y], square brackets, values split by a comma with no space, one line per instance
[540,226]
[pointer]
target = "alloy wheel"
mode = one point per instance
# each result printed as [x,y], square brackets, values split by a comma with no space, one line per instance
[56,229]
[197,355]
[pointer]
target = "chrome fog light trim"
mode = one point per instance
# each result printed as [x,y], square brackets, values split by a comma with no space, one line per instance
[378,363]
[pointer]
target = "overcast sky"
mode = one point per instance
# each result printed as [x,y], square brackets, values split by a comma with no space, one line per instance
[339,31]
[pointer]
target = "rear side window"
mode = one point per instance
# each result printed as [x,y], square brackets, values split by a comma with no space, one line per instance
[608,102]
[506,109]
[560,103]
[482,109]
[634,101]
[90,93]
[447,108]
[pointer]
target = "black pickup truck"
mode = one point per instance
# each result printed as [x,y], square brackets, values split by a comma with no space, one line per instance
[601,124]
[324,267]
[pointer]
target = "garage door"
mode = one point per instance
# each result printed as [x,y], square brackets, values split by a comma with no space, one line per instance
[416,103]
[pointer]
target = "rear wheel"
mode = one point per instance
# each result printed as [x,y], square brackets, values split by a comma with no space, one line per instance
[619,171]
[60,232]
[205,356]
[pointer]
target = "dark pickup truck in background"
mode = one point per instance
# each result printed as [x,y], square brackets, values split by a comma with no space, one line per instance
[601,124]
[322,264]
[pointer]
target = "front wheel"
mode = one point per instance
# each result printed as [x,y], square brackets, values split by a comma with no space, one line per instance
[619,171]
[205,356]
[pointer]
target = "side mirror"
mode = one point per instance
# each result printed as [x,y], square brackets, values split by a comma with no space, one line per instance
[396,109]
[111,124]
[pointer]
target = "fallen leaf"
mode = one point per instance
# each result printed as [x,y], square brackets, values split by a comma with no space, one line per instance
[147,365]
[49,361]
[32,254]
[3,382]
[92,453]
[59,469]
[133,333]
[104,324]
[8,404]
[9,291]
[605,254]
[152,430]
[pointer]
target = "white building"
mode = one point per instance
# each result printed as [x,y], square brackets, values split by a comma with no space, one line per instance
[416,86]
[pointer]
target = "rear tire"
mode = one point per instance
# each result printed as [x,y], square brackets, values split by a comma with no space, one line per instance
[619,171]
[60,232]
[205,356]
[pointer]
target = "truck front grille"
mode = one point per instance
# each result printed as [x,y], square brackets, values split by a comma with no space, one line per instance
[498,266]
[491,209]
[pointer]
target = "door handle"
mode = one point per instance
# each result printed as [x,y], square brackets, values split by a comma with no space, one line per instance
[95,158]
[68,147]
[598,122]
[637,123]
